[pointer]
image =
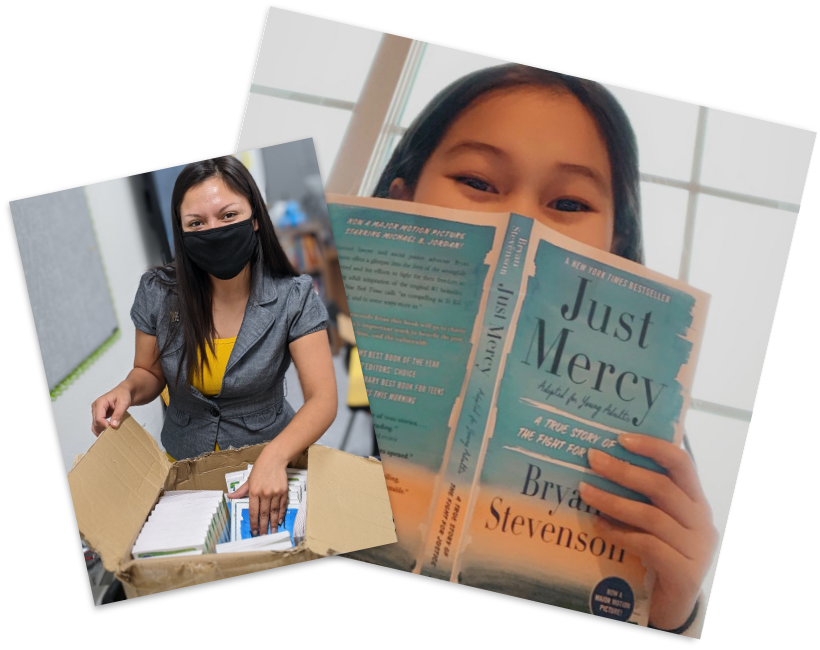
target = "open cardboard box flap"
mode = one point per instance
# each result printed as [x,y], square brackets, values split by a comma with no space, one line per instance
[348,507]
[118,481]
[114,487]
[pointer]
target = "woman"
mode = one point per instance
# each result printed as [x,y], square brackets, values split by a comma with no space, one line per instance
[561,150]
[219,326]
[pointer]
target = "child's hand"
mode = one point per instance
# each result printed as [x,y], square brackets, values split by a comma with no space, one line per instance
[267,489]
[673,535]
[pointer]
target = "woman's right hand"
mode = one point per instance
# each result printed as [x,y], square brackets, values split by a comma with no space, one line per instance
[111,405]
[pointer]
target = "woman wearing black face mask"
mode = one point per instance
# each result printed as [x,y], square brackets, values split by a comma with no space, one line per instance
[219,326]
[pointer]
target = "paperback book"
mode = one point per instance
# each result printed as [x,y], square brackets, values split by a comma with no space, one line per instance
[496,353]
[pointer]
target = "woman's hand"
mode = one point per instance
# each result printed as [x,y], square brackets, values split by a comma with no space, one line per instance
[267,489]
[142,385]
[111,405]
[674,534]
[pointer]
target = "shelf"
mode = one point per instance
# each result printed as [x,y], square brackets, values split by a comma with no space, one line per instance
[297,231]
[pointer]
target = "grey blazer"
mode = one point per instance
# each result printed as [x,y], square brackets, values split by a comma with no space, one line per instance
[251,406]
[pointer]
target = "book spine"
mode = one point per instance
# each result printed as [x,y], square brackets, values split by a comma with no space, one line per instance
[460,463]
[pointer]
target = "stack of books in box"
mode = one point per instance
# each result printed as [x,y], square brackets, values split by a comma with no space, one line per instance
[184,522]
[193,522]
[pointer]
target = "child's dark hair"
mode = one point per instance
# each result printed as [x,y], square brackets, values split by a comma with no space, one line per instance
[428,129]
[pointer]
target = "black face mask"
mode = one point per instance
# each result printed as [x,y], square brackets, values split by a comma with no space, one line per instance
[223,252]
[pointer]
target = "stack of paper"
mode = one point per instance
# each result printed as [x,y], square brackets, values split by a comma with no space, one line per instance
[297,484]
[184,522]
[300,523]
[236,480]
[297,503]
[274,542]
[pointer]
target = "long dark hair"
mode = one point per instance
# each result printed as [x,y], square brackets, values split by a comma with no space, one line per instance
[193,299]
[428,129]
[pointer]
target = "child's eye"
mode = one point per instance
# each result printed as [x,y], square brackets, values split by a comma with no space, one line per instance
[569,205]
[476,184]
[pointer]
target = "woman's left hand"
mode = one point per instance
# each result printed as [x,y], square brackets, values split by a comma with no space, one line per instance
[673,534]
[267,489]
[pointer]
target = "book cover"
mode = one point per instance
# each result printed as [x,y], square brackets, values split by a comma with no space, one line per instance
[497,353]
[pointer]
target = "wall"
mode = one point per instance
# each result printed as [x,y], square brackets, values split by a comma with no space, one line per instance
[127,248]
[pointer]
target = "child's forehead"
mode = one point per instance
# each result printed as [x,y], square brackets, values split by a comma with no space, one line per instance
[528,120]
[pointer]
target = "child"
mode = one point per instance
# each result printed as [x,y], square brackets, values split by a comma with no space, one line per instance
[561,150]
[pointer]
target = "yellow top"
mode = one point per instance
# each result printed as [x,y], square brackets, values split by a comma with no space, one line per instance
[211,381]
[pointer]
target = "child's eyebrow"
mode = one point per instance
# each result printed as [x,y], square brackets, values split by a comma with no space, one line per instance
[480,147]
[586,172]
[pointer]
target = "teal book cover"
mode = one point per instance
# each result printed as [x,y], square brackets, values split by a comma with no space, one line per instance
[495,359]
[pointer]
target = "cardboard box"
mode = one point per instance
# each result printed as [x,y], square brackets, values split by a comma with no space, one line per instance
[116,484]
